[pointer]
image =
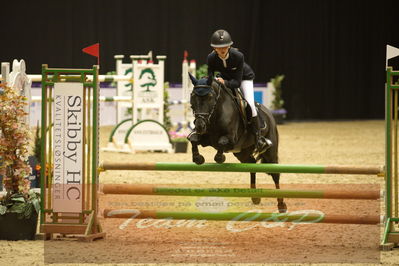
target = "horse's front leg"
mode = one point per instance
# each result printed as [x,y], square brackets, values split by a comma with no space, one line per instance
[197,157]
[223,145]
[220,157]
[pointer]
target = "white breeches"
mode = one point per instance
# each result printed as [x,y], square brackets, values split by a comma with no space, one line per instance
[247,87]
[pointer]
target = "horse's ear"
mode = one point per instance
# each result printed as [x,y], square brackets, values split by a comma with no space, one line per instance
[193,79]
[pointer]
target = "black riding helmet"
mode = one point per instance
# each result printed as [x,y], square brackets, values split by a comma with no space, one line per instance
[221,38]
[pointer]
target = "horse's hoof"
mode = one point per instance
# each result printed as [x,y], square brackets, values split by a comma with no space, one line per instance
[220,158]
[282,207]
[198,159]
[256,201]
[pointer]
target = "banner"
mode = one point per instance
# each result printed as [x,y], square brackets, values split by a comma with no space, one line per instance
[68,148]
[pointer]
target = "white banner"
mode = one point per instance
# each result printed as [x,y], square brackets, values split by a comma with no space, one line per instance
[148,86]
[148,135]
[68,147]
[124,88]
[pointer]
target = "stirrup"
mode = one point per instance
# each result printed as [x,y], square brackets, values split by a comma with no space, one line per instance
[263,144]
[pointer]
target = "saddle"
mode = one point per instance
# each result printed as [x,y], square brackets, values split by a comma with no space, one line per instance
[245,109]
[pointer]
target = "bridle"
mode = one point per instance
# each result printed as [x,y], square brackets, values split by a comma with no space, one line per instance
[207,116]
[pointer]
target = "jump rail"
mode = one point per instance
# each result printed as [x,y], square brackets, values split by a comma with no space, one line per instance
[101,78]
[115,99]
[245,167]
[242,216]
[139,189]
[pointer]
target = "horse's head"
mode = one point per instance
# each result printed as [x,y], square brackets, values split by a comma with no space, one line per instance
[203,102]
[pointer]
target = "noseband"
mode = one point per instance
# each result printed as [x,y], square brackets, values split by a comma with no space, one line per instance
[207,116]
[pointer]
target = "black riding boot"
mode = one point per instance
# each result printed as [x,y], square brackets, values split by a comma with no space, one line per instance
[262,143]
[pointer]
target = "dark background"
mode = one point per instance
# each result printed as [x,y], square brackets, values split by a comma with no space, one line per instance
[331,52]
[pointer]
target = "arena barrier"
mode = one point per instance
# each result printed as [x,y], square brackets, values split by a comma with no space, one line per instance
[54,219]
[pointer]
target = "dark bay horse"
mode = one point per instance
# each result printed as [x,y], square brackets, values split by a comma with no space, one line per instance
[219,124]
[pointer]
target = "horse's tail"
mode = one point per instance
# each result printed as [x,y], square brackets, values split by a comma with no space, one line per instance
[277,137]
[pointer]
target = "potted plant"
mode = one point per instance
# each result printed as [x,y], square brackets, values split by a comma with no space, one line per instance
[179,140]
[278,111]
[19,208]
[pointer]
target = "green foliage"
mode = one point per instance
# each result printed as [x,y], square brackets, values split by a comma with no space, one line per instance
[22,204]
[278,102]
[38,147]
[202,71]
[167,122]
[14,141]
[113,83]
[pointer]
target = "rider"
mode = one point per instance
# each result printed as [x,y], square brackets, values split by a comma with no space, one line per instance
[234,73]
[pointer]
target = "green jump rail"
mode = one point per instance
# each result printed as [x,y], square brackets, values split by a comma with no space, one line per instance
[243,216]
[138,189]
[245,167]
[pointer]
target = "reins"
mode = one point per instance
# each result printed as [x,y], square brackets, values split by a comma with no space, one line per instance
[207,116]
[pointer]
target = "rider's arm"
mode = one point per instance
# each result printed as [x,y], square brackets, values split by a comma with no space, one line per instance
[237,74]
[211,68]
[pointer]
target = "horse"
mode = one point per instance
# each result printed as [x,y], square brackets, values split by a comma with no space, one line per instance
[218,123]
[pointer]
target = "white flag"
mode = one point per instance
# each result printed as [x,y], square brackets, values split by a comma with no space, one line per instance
[391,53]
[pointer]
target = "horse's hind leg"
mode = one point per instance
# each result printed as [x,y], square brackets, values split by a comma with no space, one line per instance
[282,207]
[253,185]
[246,157]
[255,201]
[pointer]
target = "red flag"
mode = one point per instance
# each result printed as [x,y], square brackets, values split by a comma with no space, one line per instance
[93,50]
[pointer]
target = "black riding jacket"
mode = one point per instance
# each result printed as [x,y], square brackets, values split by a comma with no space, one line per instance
[233,71]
